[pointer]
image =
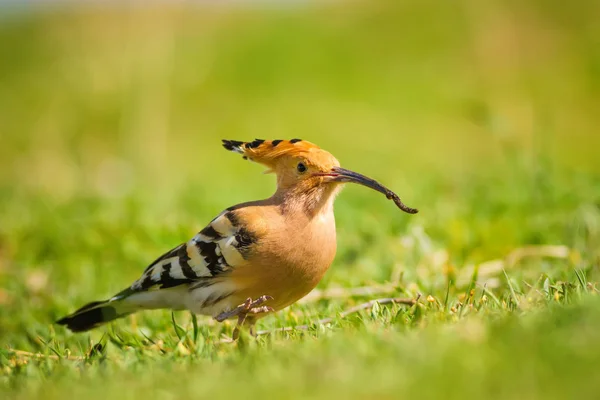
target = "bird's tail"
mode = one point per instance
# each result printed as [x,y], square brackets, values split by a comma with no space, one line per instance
[95,314]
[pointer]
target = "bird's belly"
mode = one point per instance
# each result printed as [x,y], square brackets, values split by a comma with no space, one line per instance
[284,296]
[288,276]
[284,288]
[285,281]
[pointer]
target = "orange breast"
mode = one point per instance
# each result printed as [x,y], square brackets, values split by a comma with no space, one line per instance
[288,261]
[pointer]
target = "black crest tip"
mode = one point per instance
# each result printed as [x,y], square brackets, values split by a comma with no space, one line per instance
[233,145]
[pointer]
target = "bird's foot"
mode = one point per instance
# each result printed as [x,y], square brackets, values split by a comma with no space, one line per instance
[248,307]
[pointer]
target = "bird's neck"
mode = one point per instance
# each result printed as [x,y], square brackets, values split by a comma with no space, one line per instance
[311,202]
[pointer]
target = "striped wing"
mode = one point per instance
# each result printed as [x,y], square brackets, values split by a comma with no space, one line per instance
[215,250]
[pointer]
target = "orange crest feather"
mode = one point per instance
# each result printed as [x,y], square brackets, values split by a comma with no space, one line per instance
[267,150]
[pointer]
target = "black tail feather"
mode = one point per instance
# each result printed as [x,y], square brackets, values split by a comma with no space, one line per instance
[92,315]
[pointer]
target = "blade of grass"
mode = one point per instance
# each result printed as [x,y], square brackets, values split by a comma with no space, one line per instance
[512,289]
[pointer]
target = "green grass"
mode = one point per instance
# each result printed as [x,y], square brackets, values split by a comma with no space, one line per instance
[483,116]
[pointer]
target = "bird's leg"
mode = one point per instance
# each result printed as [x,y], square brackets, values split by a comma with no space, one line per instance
[236,330]
[250,322]
[248,307]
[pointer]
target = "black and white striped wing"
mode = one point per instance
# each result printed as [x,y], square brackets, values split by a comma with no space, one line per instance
[215,250]
[191,267]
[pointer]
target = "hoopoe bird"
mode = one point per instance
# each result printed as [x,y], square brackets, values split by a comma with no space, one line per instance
[254,258]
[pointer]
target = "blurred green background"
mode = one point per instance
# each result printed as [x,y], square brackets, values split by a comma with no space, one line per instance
[484,115]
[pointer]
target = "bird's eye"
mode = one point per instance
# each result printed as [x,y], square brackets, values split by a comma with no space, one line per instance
[301,167]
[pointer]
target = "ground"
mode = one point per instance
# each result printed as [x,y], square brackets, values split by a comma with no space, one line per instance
[482,115]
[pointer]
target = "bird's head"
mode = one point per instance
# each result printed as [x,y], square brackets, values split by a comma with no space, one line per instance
[303,167]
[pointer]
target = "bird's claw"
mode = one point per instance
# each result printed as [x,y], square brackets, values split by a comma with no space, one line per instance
[260,310]
[248,307]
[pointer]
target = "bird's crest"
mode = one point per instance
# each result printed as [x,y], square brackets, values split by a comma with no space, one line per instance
[268,150]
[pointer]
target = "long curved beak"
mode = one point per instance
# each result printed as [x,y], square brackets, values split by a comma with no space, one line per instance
[339,174]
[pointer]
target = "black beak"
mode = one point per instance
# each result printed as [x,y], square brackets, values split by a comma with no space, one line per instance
[344,175]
